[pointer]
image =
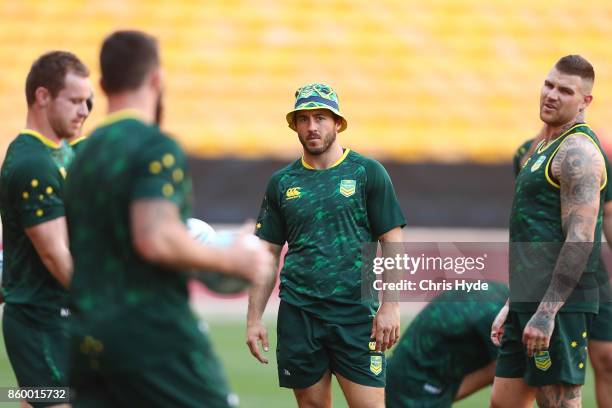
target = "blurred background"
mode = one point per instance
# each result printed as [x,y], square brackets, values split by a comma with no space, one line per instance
[441,92]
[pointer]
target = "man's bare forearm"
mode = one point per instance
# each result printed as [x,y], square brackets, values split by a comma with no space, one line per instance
[258,298]
[260,294]
[391,245]
[572,262]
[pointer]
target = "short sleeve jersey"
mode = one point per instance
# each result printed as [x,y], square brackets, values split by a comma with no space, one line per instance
[131,308]
[31,193]
[449,338]
[326,216]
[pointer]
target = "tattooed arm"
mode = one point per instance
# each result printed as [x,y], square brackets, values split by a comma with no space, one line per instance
[579,167]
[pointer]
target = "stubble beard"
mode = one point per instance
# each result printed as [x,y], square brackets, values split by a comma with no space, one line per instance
[328,140]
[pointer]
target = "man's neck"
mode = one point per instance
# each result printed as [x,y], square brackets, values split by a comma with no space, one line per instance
[553,132]
[324,160]
[37,122]
[134,100]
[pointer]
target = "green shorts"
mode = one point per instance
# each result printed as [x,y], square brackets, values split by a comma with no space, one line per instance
[39,356]
[188,379]
[564,362]
[409,387]
[601,329]
[402,392]
[307,347]
[602,324]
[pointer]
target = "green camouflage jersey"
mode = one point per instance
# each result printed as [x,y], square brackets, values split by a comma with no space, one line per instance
[126,310]
[602,273]
[536,234]
[519,154]
[449,338]
[31,183]
[326,216]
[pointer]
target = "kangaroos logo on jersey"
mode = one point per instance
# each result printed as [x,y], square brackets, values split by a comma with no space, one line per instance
[538,163]
[293,192]
[542,360]
[347,187]
[376,364]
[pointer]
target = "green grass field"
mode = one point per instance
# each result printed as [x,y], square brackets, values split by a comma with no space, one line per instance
[256,384]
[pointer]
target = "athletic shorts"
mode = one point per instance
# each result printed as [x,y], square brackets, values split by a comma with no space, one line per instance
[192,378]
[564,362]
[39,356]
[307,347]
[402,392]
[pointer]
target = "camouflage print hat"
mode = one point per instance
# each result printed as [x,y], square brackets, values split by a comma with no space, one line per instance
[316,96]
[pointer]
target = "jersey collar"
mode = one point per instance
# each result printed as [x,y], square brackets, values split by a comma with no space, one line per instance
[44,140]
[340,160]
[121,115]
[77,140]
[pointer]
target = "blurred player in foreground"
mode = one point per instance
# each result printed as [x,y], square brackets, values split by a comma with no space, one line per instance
[326,205]
[600,340]
[446,353]
[558,199]
[135,339]
[37,261]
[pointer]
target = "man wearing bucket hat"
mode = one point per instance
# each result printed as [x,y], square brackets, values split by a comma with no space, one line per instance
[326,205]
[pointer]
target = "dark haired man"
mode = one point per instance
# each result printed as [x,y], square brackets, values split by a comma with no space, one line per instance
[37,261]
[600,340]
[135,341]
[555,237]
[326,206]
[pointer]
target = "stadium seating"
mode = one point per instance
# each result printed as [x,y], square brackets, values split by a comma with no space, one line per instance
[439,80]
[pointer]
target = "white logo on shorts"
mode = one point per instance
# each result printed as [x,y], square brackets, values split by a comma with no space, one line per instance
[286,372]
[432,389]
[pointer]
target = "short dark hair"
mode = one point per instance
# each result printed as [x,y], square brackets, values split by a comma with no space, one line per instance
[576,65]
[125,60]
[49,71]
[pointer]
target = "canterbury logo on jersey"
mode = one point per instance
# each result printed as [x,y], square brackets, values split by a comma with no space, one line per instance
[293,192]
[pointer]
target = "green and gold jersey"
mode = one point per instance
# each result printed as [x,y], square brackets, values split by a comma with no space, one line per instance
[519,154]
[326,216]
[31,184]
[124,308]
[536,233]
[602,274]
[449,338]
[77,144]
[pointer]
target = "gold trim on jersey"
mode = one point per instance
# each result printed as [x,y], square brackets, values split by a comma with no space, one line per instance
[46,141]
[546,170]
[121,115]
[543,146]
[77,140]
[340,160]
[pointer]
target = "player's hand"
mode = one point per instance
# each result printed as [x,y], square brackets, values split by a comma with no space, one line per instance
[256,333]
[537,333]
[250,257]
[386,326]
[497,328]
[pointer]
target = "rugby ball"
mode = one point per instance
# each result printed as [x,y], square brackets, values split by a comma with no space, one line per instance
[217,282]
